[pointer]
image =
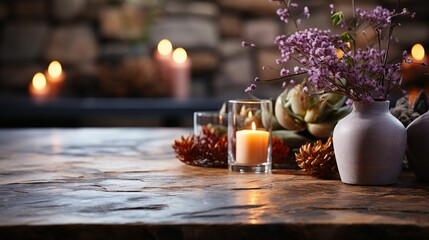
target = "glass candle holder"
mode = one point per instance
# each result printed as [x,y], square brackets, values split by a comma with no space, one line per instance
[249,135]
[209,119]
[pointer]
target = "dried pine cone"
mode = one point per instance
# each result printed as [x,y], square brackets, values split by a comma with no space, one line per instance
[186,149]
[210,149]
[318,160]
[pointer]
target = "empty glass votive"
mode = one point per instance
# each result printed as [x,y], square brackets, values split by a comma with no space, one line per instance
[249,135]
[209,119]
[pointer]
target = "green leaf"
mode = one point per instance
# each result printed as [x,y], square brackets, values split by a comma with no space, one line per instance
[346,37]
[337,18]
[347,60]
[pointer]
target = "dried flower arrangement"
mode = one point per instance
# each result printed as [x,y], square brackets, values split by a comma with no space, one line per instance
[339,63]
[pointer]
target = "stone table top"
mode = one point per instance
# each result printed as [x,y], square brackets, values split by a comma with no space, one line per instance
[117,183]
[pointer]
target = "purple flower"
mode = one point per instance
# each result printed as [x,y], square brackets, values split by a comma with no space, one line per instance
[247,44]
[305,89]
[332,9]
[306,12]
[284,72]
[380,16]
[250,88]
[283,14]
[349,102]
[361,74]
[408,60]
[284,85]
[296,69]
[364,69]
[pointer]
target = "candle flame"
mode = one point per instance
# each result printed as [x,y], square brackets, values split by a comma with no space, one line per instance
[165,47]
[249,114]
[179,55]
[253,126]
[55,69]
[418,52]
[39,81]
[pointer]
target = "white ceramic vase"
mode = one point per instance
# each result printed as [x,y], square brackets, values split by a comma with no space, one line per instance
[418,146]
[369,145]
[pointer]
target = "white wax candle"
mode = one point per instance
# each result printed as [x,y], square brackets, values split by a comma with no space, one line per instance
[38,88]
[55,78]
[163,57]
[252,146]
[180,74]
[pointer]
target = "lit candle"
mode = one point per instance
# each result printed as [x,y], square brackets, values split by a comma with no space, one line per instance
[163,57]
[180,74]
[39,89]
[413,73]
[418,56]
[418,52]
[55,77]
[252,145]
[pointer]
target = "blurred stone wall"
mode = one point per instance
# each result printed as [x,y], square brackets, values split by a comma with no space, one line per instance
[106,46]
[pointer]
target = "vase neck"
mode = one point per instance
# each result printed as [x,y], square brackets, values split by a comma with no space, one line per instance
[379,106]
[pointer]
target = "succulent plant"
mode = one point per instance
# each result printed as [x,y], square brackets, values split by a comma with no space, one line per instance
[297,109]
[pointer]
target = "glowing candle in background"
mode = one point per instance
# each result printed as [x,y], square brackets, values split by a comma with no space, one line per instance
[39,89]
[163,57]
[418,52]
[180,74]
[252,145]
[414,73]
[164,47]
[55,72]
[55,77]
[418,57]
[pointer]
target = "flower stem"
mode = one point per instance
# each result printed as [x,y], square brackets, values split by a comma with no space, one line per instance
[355,25]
